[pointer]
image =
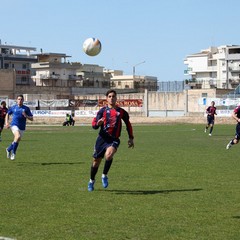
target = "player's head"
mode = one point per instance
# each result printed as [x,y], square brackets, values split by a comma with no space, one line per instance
[20,100]
[212,103]
[111,91]
[111,97]
[3,103]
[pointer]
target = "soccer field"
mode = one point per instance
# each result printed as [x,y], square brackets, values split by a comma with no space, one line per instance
[177,183]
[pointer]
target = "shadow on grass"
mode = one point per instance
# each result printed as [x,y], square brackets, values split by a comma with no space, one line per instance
[51,163]
[236,217]
[146,192]
[67,163]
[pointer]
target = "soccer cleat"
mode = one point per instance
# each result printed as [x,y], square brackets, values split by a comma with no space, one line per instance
[210,134]
[8,153]
[91,186]
[229,145]
[105,181]
[205,130]
[12,156]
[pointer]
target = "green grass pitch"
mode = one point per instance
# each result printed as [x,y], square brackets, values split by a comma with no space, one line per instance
[177,183]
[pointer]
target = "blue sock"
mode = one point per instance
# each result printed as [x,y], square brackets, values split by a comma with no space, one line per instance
[15,146]
[10,148]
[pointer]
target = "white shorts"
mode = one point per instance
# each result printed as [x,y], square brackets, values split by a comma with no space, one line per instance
[16,129]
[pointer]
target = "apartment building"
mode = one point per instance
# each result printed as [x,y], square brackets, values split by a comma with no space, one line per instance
[18,58]
[53,69]
[215,67]
[22,70]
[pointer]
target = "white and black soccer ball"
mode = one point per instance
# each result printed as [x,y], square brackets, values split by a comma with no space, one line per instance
[92,46]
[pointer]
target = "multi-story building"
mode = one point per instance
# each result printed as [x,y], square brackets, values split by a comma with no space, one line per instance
[18,58]
[53,70]
[215,67]
[136,83]
[51,74]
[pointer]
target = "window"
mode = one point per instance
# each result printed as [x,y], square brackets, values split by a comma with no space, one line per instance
[204,94]
[23,80]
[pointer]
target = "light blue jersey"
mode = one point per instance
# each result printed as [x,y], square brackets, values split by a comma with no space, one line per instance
[17,117]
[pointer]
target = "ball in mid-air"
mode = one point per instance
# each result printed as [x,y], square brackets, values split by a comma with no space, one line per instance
[92,46]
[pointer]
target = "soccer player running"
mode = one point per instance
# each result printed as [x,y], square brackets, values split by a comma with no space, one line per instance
[109,119]
[20,113]
[211,112]
[236,116]
[3,113]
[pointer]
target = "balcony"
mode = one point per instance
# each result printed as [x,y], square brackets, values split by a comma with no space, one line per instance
[234,69]
[74,77]
[49,76]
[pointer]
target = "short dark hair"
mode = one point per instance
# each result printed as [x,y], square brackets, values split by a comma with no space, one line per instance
[111,91]
[3,102]
[20,95]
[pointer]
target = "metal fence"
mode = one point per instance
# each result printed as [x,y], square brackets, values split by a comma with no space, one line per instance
[171,86]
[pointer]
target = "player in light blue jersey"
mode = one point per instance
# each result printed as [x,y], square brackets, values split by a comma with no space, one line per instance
[20,113]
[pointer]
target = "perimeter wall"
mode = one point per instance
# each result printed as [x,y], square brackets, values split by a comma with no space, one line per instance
[158,107]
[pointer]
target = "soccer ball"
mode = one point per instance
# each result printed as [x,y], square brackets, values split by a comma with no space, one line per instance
[92,46]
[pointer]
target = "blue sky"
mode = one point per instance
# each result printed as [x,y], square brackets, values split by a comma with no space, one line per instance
[161,33]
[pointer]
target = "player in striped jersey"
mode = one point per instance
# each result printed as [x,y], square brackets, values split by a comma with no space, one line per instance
[109,120]
[236,116]
[211,112]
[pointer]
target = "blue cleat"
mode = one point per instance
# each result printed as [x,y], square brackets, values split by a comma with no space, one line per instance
[105,181]
[91,186]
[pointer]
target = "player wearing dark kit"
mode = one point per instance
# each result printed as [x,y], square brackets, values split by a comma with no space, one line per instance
[236,116]
[3,113]
[211,112]
[109,119]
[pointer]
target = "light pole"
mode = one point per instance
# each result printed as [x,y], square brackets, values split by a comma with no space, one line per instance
[135,67]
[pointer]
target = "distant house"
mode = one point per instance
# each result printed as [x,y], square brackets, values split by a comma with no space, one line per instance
[135,83]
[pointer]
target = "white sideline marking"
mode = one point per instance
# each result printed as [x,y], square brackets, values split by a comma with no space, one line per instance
[6,238]
[189,130]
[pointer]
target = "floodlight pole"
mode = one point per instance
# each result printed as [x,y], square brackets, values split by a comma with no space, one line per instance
[134,68]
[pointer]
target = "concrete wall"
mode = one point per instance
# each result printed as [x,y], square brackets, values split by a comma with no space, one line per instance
[135,120]
[186,101]
[7,82]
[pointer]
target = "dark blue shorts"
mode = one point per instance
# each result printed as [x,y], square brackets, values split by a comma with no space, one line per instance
[237,136]
[210,119]
[102,144]
[1,123]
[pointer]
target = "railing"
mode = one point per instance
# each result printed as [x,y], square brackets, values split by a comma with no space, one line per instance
[234,69]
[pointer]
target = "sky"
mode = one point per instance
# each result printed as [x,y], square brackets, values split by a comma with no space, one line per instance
[152,36]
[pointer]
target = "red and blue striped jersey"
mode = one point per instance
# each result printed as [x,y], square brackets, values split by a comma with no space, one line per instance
[3,112]
[112,125]
[211,111]
[237,111]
